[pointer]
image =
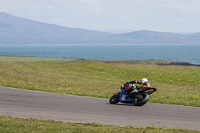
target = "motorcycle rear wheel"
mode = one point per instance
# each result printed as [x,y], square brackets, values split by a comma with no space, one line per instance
[142,101]
[115,98]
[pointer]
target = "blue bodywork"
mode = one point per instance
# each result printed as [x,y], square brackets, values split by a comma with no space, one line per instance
[123,96]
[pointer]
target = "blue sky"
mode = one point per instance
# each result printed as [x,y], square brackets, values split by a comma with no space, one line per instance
[111,15]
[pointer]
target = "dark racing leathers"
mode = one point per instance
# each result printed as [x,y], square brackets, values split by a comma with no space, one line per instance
[134,87]
[142,84]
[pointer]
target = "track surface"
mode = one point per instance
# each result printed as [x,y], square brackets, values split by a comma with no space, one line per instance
[42,105]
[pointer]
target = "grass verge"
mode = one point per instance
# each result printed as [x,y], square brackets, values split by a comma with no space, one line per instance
[20,125]
[176,84]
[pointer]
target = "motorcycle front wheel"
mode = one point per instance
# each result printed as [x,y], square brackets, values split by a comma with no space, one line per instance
[143,100]
[115,98]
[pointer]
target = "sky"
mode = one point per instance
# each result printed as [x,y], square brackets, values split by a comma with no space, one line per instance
[181,16]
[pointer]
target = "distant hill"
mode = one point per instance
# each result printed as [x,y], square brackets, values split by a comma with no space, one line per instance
[20,31]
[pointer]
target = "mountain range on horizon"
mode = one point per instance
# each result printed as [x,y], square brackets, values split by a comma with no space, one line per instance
[21,31]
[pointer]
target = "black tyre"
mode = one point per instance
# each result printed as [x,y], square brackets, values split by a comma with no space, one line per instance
[144,100]
[115,98]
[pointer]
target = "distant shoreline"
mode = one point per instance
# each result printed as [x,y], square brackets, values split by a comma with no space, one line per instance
[180,53]
[145,62]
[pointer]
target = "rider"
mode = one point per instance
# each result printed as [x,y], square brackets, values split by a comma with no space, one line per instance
[143,83]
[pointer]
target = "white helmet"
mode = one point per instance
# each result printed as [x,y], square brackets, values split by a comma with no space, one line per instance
[144,80]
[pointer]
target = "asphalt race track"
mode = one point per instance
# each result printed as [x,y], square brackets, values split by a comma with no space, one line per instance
[42,105]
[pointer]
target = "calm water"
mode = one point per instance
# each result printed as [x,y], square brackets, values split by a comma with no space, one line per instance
[185,53]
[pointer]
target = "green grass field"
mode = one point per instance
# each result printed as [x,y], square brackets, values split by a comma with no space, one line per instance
[176,84]
[19,125]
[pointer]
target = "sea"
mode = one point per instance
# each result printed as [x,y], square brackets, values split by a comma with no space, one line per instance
[182,53]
